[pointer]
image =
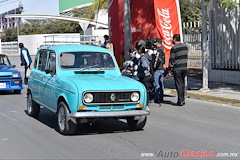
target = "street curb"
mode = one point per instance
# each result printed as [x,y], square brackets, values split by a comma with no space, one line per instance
[205,97]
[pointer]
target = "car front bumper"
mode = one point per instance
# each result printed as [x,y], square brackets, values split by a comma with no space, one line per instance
[109,114]
[9,84]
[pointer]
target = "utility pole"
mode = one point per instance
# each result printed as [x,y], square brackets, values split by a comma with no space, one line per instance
[205,55]
[127,29]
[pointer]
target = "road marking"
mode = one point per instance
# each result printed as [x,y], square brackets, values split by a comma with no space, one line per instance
[8,116]
[13,112]
[4,139]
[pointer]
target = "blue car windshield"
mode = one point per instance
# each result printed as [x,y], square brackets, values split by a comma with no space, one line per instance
[4,61]
[86,60]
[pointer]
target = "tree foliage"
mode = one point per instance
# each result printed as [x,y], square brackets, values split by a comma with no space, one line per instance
[9,35]
[190,10]
[227,4]
[50,27]
[89,12]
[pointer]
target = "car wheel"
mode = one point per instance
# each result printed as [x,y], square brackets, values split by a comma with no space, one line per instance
[17,91]
[33,108]
[65,124]
[135,125]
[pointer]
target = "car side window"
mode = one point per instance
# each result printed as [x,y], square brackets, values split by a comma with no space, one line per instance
[42,60]
[35,62]
[51,63]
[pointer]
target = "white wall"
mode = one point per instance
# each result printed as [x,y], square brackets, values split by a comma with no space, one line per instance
[232,77]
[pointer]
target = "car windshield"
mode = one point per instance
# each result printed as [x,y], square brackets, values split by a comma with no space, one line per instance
[86,60]
[4,61]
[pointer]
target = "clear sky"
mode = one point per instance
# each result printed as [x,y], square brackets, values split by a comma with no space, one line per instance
[44,7]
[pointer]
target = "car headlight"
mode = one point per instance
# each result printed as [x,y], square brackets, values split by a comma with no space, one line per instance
[135,96]
[15,75]
[88,98]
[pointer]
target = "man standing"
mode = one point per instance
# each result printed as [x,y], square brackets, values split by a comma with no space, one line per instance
[25,60]
[107,43]
[158,64]
[178,64]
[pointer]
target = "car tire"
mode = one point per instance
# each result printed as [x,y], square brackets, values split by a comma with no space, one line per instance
[17,91]
[135,125]
[33,108]
[65,124]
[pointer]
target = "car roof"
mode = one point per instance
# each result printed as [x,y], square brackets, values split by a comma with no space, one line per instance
[75,47]
[2,54]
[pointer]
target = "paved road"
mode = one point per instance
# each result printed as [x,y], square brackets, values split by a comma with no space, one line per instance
[198,127]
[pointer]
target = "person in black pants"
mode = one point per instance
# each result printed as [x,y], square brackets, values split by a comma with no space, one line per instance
[178,64]
[144,72]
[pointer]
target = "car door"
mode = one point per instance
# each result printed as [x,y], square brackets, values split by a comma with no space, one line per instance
[36,75]
[49,87]
[40,74]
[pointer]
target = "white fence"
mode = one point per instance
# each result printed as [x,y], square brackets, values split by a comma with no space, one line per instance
[9,47]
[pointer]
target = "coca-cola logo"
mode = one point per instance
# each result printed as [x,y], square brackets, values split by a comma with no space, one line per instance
[167,29]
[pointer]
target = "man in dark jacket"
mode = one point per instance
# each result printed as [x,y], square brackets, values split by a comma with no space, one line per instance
[25,60]
[178,64]
[158,65]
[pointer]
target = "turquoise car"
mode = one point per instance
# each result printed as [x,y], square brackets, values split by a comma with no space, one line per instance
[82,83]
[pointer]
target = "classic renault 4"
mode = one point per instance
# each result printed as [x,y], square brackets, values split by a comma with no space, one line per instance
[10,78]
[82,83]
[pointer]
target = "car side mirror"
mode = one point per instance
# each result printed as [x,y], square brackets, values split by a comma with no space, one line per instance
[48,71]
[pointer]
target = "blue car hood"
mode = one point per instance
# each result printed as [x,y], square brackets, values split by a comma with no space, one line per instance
[104,82]
[7,69]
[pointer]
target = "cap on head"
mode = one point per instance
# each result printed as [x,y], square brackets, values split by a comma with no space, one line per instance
[157,40]
[21,45]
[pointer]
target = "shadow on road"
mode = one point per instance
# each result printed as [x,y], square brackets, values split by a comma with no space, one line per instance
[101,126]
[8,93]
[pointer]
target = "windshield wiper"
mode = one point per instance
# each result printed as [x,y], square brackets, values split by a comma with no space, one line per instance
[88,67]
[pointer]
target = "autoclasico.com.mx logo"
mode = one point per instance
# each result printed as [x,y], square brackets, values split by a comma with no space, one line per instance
[189,154]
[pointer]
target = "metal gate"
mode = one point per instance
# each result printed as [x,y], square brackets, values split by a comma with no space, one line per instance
[224,38]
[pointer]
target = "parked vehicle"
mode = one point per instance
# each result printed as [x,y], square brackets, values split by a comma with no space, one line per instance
[10,78]
[82,83]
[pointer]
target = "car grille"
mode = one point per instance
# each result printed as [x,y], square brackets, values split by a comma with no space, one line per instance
[111,107]
[5,76]
[114,97]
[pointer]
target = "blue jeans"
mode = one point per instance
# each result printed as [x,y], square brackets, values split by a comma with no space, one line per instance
[159,87]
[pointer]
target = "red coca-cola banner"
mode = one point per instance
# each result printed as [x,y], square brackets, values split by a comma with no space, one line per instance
[168,22]
[115,27]
[149,19]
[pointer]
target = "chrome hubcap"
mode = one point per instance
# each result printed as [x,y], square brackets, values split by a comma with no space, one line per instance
[61,118]
[29,106]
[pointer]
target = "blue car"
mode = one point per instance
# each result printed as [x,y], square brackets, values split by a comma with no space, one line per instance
[10,78]
[82,83]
